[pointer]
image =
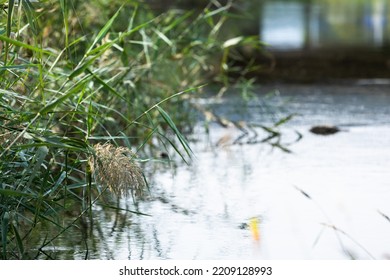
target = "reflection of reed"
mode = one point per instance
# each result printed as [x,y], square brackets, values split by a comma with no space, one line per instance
[384,216]
[246,133]
[336,230]
[113,229]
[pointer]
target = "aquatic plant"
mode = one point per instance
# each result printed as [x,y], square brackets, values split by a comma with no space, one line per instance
[115,168]
[82,86]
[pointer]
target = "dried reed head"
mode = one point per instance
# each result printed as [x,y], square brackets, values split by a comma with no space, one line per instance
[114,167]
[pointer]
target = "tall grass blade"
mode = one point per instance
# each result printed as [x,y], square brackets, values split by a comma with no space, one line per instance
[105,85]
[19,241]
[176,150]
[59,181]
[104,30]
[163,101]
[4,233]
[82,67]
[24,45]
[178,134]
[10,193]
[178,21]
[15,95]
[147,139]
[209,14]
[29,11]
[49,107]
[11,4]
[39,158]
[21,67]
[65,14]
[163,37]
[131,21]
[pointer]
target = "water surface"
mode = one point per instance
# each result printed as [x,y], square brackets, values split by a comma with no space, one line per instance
[201,211]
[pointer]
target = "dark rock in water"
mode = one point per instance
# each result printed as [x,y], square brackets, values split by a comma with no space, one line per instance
[324,129]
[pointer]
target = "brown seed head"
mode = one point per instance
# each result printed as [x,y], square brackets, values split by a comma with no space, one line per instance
[115,168]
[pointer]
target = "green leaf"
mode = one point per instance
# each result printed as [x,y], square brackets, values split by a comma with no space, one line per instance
[8,192]
[172,125]
[105,85]
[19,67]
[104,30]
[23,45]
[163,37]
[147,138]
[81,68]
[32,21]
[163,101]
[217,11]
[4,232]
[57,184]
[56,102]
[177,21]
[11,4]
[232,42]
[65,14]
[42,152]
[18,240]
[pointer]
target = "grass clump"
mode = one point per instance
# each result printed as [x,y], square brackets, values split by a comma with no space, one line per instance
[82,90]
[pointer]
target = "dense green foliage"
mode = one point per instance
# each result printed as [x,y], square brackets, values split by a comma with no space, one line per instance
[75,75]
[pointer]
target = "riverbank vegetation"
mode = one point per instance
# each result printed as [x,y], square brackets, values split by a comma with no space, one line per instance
[89,90]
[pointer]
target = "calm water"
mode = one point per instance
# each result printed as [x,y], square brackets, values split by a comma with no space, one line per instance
[201,211]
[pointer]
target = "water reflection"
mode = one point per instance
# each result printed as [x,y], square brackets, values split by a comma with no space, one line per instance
[342,177]
[328,199]
[325,23]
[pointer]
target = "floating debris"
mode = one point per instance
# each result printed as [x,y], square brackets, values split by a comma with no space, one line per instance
[324,129]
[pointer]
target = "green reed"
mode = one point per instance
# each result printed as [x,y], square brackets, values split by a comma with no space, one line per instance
[82,81]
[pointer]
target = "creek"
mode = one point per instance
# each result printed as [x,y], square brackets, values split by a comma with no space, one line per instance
[326,199]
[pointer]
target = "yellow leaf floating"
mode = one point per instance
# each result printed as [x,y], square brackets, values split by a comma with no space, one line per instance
[254,228]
